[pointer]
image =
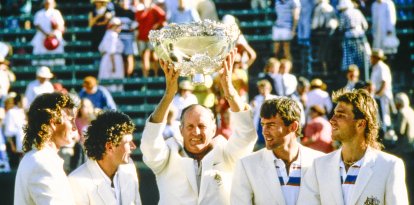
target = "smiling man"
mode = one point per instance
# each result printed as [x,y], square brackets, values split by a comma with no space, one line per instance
[359,172]
[273,174]
[109,176]
[199,171]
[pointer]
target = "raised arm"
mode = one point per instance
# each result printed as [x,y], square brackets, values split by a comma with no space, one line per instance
[171,77]
[154,149]
[230,93]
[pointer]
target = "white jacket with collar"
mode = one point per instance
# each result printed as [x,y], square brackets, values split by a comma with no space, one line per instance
[175,173]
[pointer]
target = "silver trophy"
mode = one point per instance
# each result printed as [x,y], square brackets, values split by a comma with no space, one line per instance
[196,49]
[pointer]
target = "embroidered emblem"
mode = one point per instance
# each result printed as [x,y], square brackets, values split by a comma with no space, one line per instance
[372,201]
[218,179]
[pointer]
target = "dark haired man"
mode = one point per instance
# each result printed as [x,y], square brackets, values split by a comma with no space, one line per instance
[273,174]
[109,175]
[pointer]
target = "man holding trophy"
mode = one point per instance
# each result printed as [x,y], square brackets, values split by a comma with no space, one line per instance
[199,170]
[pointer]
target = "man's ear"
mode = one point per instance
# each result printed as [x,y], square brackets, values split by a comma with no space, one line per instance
[294,126]
[109,147]
[361,123]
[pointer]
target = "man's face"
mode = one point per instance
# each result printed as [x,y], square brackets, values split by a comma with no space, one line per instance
[123,151]
[65,129]
[343,122]
[88,86]
[275,132]
[198,130]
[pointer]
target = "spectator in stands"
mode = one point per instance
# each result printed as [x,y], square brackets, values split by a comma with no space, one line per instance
[359,172]
[355,47]
[4,159]
[201,168]
[317,96]
[382,79]
[40,178]
[204,93]
[58,87]
[14,123]
[99,96]
[404,124]
[102,11]
[111,47]
[246,52]
[317,132]
[305,21]
[353,77]
[151,17]
[184,97]
[286,82]
[225,128]
[256,4]
[271,70]
[86,114]
[324,24]
[284,29]
[300,95]
[384,19]
[172,128]
[272,175]
[39,86]
[184,13]
[128,25]
[109,176]
[49,23]
[6,78]
[265,89]
[207,10]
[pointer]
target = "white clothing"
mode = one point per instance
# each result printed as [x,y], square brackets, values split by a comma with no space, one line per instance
[318,97]
[35,88]
[43,18]
[256,180]
[5,78]
[381,73]
[383,20]
[175,174]
[180,102]
[285,84]
[381,178]
[14,122]
[40,179]
[92,186]
[111,46]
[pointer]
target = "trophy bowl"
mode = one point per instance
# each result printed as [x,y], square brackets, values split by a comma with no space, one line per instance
[197,48]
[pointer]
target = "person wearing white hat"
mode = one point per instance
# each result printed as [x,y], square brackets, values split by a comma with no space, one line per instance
[39,86]
[48,23]
[184,97]
[111,47]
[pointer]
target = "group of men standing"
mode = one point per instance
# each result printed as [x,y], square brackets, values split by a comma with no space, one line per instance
[202,168]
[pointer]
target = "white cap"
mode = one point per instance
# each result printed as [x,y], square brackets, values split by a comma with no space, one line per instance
[44,72]
[115,21]
[345,4]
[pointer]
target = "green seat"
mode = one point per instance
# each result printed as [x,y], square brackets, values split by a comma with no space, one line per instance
[69,56]
[138,93]
[68,44]
[56,69]
[142,108]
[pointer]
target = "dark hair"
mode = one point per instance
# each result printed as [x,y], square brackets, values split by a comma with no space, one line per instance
[363,107]
[18,99]
[109,126]
[287,108]
[43,109]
